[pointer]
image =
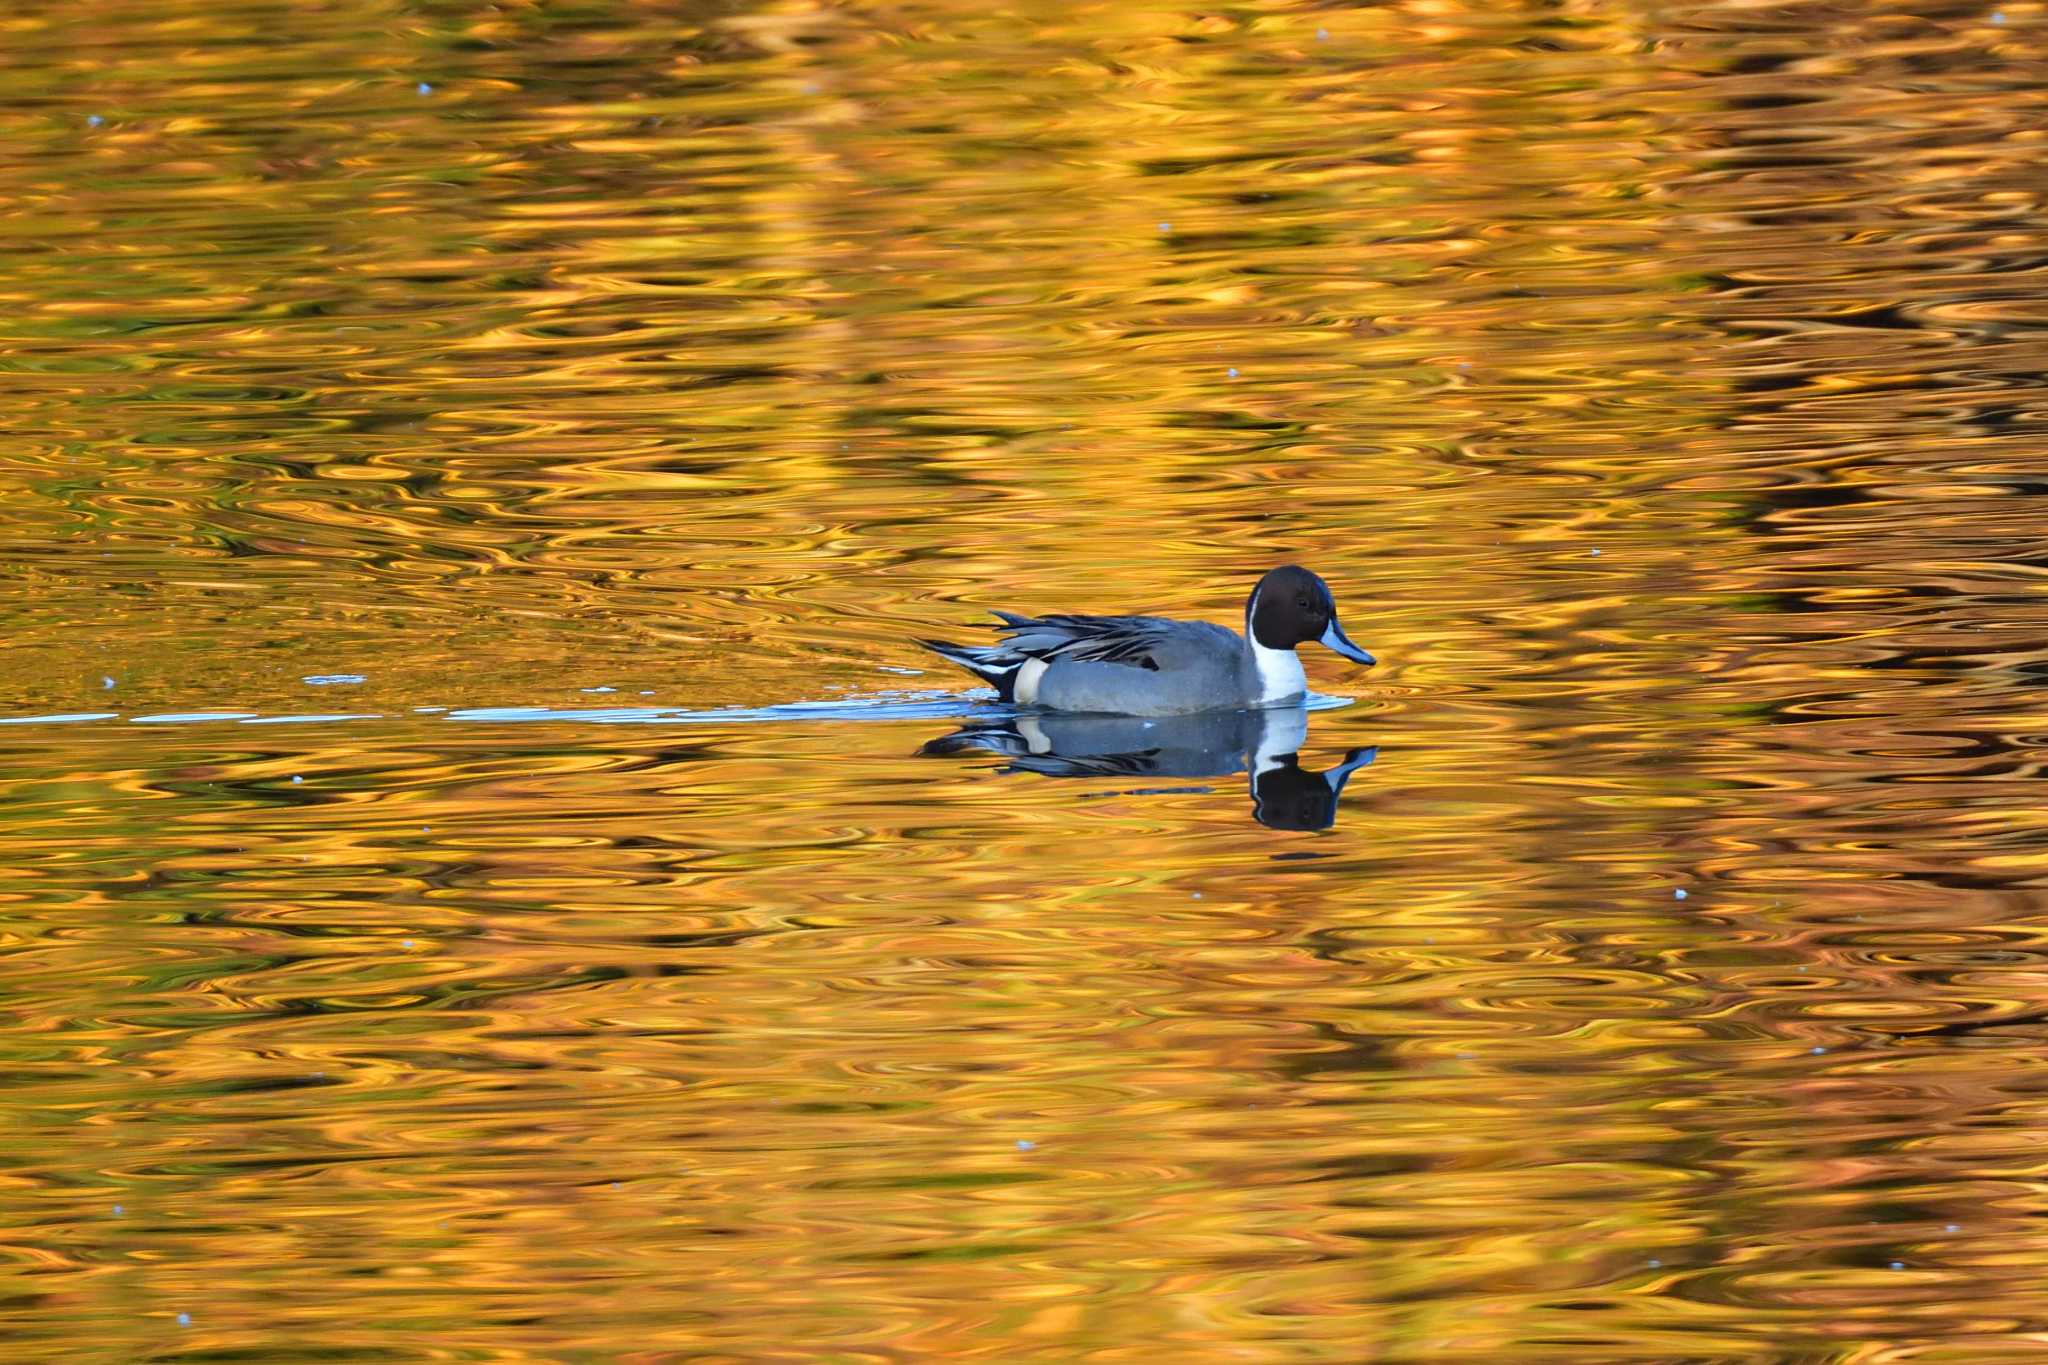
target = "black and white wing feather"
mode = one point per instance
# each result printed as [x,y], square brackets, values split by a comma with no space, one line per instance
[1146,642]
[1134,640]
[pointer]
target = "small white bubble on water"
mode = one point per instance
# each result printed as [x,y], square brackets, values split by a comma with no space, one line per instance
[1898,1265]
[1594,553]
[184,1319]
[1165,226]
[1025,1144]
[406,944]
[297,778]
[118,1210]
[1818,1051]
[1232,371]
[1953,1227]
[600,689]
[1655,1263]
[1678,893]
[107,683]
[93,120]
[1322,35]
[424,88]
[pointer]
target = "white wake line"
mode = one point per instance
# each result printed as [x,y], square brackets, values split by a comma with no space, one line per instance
[883,706]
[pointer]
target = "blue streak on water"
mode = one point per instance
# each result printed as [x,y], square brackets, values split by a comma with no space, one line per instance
[886,706]
[875,706]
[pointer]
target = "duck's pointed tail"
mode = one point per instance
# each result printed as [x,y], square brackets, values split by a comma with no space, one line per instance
[997,667]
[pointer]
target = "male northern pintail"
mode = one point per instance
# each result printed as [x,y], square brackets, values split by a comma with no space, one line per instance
[1150,666]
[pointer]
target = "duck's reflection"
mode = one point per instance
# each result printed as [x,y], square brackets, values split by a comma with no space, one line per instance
[1264,745]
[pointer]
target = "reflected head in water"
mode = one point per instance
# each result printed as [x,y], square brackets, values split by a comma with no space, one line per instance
[1288,796]
[1262,744]
[1151,666]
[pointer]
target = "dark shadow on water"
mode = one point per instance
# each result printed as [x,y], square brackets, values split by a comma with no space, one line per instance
[1264,745]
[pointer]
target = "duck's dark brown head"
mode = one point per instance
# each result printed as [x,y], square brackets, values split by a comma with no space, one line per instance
[1290,607]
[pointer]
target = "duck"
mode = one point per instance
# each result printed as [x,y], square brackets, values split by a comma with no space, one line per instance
[1153,666]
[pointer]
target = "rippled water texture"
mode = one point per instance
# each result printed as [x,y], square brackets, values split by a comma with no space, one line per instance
[1648,962]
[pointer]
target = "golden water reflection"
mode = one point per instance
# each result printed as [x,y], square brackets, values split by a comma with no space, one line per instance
[1657,387]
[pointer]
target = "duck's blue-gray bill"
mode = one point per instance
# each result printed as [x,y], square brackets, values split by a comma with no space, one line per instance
[1335,640]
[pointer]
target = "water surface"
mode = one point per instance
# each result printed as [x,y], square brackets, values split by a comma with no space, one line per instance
[1657,386]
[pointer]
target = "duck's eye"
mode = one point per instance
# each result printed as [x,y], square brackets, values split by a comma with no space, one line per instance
[1301,602]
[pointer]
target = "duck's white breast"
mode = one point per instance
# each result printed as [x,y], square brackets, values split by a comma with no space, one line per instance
[1280,675]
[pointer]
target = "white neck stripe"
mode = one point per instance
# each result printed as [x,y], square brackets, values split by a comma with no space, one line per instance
[1280,675]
